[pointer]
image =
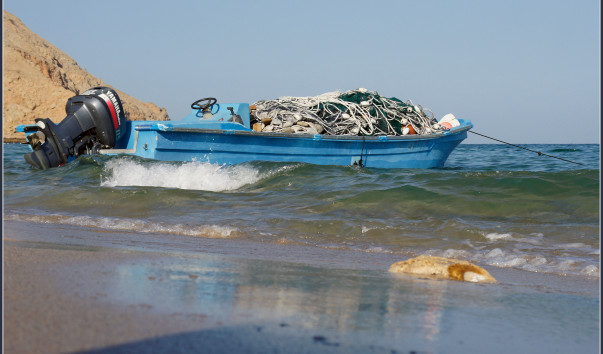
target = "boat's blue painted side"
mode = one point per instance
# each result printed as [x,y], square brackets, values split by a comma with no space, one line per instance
[236,147]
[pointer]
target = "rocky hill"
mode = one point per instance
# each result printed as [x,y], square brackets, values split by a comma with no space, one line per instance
[39,78]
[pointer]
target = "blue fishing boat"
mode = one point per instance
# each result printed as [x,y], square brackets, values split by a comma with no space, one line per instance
[220,133]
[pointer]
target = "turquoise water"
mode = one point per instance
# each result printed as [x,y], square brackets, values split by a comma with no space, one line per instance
[492,204]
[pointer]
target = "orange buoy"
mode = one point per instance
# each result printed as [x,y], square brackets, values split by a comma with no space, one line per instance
[446,125]
[411,130]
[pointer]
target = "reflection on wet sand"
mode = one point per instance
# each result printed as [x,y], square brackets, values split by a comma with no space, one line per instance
[272,303]
[346,301]
[433,315]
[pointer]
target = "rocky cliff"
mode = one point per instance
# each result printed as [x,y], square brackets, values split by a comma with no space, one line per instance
[39,78]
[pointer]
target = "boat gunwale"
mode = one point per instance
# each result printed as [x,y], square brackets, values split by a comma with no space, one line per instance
[378,138]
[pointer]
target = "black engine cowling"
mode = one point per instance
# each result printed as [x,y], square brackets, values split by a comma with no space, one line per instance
[95,120]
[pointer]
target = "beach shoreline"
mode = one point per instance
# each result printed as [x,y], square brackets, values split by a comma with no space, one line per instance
[70,289]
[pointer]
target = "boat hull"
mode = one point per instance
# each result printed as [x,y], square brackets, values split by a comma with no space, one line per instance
[166,142]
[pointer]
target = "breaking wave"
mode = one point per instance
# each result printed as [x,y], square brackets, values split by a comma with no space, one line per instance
[189,175]
[131,225]
[565,265]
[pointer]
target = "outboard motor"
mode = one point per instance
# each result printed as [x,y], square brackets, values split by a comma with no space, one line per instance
[95,120]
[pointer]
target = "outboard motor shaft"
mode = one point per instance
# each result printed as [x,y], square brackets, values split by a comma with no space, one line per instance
[95,120]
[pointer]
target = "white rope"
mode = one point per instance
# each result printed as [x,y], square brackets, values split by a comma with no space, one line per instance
[331,114]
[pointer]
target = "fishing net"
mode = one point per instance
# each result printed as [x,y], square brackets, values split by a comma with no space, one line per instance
[354,112]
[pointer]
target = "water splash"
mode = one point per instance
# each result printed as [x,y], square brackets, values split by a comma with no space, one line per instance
[194,175]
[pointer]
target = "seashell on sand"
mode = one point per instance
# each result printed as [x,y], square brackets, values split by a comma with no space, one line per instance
[442,268]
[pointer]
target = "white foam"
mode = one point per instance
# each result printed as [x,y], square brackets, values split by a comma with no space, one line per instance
[377,250]
[121,172]
[573,245]
[496,237]
[537,261]
[566,265]
[497,252]
[531,241]
[132,225]
[590,270]
[500,258]
[520,260]
[511,262]
[452,253]
[366,229]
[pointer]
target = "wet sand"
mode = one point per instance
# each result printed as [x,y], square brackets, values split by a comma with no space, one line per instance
[68,289]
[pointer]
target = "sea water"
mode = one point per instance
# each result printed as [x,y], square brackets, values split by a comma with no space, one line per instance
[494,205]
[291,257]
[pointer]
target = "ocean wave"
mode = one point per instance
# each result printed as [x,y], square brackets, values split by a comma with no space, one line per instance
[520,260]
[496,237]
[121,172]
[490,204]
[131,225]
[565,150]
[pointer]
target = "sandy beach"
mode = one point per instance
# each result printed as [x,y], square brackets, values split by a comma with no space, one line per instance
[69,289]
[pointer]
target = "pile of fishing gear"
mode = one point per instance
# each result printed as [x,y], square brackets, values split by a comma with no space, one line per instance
[354,112]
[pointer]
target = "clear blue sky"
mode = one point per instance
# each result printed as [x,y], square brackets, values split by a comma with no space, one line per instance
[522,71]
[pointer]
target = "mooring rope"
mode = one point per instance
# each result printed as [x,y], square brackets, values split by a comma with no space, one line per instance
[521,147]
[360,163]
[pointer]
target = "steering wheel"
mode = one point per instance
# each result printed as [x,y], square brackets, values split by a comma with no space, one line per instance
[210,102]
